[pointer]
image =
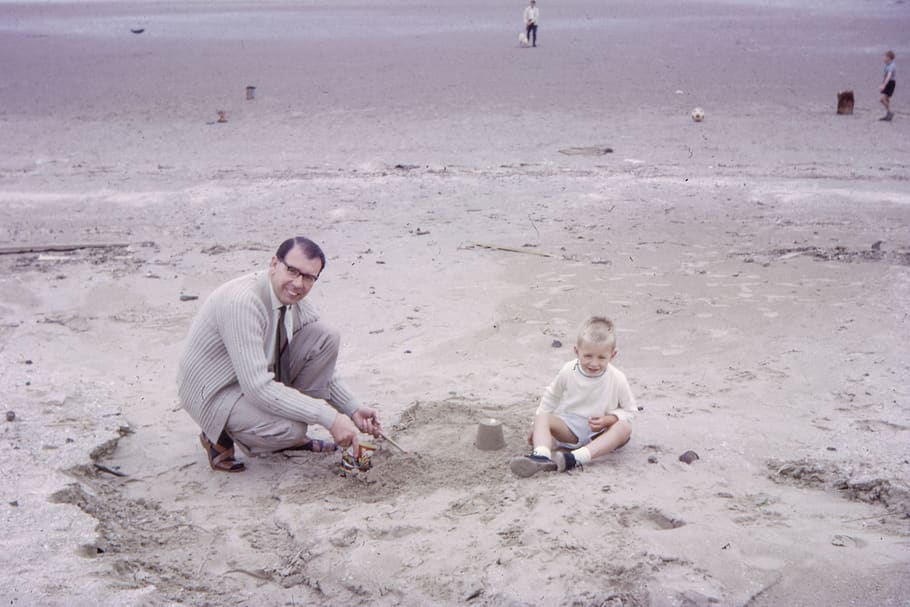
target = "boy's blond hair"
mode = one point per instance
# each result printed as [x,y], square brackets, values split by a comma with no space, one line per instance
[597,330]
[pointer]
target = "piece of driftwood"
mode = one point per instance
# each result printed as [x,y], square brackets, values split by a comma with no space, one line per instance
[509,249]
[845,102]
[44,248]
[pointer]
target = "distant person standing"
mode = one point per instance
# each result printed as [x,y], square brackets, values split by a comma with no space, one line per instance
[532,15]
[888,82]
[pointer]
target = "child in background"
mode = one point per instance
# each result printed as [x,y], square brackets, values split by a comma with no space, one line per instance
[889,78]
[586,411]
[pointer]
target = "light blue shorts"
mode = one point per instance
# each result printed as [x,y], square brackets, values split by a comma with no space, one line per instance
[578,424]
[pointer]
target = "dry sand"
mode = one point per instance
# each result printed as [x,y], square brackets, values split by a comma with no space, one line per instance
[757,265]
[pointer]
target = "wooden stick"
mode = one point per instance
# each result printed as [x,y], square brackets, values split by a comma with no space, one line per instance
[399,447]
[59,247]
[510,249]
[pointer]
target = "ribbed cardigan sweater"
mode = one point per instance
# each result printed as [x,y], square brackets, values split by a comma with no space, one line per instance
[227,344]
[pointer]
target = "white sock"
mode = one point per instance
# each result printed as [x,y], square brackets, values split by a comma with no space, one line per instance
[543,451]
[582,455]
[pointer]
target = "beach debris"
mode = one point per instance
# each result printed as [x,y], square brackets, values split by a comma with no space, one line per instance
[688,457]
[10,416]
[652,459]
[502,248]
[188,297]
[555,344]
[698,114]
[137,30]
[250,93]
[222,116]
[103,468]
[14,503]
[593,150]
[407,167]
[845,541]
[845,102]
[57,248]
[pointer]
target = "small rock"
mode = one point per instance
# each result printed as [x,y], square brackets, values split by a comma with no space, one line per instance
[10,416]
[832,448]
[652,459]
[188,297]
[14,503]
[28,361]
[556,344]
[688,457]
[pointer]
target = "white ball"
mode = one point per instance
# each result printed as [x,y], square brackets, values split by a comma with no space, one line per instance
[698,114]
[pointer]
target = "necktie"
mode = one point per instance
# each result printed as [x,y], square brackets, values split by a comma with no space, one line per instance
[282,364]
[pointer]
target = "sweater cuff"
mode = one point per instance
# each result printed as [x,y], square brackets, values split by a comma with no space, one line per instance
[327,417]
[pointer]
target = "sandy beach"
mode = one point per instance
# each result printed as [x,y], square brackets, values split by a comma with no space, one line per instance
[476,201]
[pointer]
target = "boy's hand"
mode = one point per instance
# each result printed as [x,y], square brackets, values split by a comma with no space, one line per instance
[599,423]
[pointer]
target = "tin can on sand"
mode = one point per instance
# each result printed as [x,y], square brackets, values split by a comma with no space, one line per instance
[358,458]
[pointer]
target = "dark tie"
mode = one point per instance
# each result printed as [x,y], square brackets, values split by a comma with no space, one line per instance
[282,364]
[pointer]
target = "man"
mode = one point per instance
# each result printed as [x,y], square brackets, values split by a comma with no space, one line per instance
[532,14]
[259,367]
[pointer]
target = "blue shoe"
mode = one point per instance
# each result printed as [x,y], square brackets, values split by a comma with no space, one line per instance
[565,461]
[529,465]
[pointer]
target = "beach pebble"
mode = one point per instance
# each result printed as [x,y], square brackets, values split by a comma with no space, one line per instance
[688,457]
[556,343]
[10,416]
[188,297]
[652,459]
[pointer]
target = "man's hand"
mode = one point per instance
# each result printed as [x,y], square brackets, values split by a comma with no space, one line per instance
[343,431]
[367,420]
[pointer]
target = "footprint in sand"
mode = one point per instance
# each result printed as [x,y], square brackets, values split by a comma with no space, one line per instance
[651,517]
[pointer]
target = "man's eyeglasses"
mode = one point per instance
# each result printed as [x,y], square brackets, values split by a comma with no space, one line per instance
[294,273]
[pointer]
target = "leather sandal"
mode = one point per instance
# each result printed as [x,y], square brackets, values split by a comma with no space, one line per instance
[221,459]
[319,446]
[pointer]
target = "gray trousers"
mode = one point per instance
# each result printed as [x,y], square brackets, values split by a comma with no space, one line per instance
[313,352]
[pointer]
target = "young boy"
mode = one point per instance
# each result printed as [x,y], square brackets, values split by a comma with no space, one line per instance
[585,412]
[889,78]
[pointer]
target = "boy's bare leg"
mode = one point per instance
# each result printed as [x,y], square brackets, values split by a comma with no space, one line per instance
[550,428]
[615,436]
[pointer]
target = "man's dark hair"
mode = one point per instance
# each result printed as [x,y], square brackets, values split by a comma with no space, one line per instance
[309,248]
